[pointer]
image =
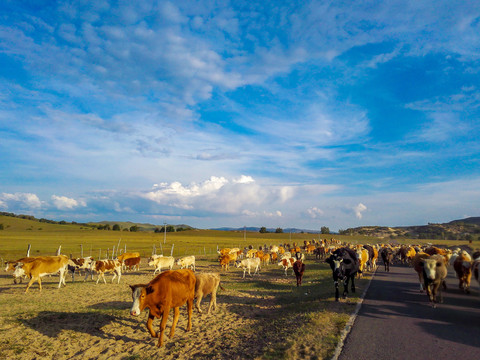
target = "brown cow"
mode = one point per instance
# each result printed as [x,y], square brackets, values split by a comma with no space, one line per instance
[125,256]
[463,269]
[207,283]
[42,266]
[172,288]
[226,259]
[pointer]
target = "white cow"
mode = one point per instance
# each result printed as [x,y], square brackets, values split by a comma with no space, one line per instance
[248,264]
[161,262]
[186,262]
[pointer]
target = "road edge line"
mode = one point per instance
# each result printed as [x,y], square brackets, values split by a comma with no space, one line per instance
[351,321]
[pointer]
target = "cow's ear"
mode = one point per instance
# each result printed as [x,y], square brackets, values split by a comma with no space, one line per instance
[149,289]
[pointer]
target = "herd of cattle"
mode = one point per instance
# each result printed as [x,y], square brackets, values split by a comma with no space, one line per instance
[174,288]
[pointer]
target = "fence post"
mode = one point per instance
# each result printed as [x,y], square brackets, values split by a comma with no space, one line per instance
[28,250]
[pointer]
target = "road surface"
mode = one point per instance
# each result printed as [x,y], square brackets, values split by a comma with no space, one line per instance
[396,321]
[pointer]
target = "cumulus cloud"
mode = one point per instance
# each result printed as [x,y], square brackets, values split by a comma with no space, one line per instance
[65,203]
[20,201]
[358,209]
[314,212]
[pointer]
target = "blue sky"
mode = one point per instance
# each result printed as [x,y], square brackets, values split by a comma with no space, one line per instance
[274,114]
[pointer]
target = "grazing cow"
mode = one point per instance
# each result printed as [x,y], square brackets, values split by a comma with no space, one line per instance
[344,265]
[42,266]
[226,259]
[463,269]
[387,257]
[298,268]
[107,266]
[170,289]
[265,259]
[248,264]
[286,264]
[162,262]
[132,263]
[434,274]
[186,262]
[207,283]
[75,265]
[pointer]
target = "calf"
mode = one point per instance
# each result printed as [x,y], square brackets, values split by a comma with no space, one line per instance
[434,274]
[186,262]
[170,289]
[78,264]
[298,269]
[125,256]
[344,265]
[207,283]
[248,264]
[226,259]
[132,263]
[387,257]
[42,266]
[161,262]
[104,266]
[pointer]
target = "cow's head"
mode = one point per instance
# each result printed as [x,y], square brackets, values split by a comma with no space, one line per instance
[139,296]
[19,271]
[430,267]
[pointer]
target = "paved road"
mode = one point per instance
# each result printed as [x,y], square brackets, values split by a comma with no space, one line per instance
[396,321]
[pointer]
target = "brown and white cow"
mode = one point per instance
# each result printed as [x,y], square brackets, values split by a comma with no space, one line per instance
[41,266]
[170,289]
[107,266]
[286,264]
[463,269]
[79,264]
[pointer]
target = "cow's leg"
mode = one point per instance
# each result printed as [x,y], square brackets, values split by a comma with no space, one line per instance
[176,313]
[30,283]
[163,325]
[213,301]
[244,270]
[337,295]
[150,325]
[190,310]
[353,283]
[119,276]
[345,287]
[197,304]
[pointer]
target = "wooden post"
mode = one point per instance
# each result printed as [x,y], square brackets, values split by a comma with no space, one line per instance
[154,250]
[113,251]
[171,251]
[59,250]
[118,245]
[28,250]
[108,252]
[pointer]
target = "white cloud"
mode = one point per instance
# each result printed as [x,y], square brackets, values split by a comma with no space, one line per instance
[20,201]
[65,203]
[359,209]
[315,212]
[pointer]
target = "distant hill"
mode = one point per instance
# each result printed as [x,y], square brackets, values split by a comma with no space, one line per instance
[270,230]
[463,229]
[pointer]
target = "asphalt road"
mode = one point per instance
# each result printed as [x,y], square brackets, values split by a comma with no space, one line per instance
[397,322]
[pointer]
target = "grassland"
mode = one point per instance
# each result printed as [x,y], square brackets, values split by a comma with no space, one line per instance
[263,317]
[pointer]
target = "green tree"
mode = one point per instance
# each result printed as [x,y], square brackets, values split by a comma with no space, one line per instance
[116,227]
[279,231]
[134,228]
[263,230]
[325,230]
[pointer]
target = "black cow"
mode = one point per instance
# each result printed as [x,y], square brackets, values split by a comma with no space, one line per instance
[387,256]
[345,265]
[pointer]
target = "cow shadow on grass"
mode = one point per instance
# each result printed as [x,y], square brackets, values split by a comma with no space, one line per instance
[111,305]
[52,323]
